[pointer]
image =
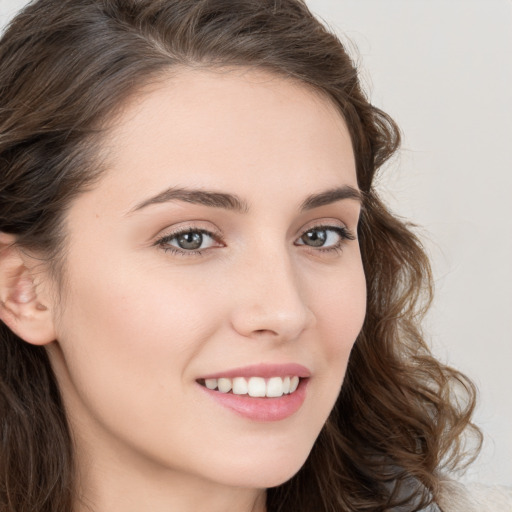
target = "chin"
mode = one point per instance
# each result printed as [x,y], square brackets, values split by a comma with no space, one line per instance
[263,473]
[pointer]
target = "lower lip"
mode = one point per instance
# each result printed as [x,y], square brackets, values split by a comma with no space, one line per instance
[262,409]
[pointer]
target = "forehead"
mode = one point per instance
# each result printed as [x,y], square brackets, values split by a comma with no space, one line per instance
[210,127]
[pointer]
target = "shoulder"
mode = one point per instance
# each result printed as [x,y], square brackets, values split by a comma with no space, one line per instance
[456,497]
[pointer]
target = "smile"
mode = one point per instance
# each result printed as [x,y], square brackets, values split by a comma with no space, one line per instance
[257,387]
[261,392]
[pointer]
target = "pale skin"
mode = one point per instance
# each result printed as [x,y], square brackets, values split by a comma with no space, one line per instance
[138,324]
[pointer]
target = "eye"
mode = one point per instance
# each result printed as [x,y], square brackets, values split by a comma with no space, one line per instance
[325,237]
[189,241]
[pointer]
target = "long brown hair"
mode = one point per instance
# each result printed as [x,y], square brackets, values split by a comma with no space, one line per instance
[66,67]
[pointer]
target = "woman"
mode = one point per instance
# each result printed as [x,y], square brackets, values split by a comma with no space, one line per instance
[204,303]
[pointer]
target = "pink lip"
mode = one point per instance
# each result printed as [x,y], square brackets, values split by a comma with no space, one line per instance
[263,370]
[262,409]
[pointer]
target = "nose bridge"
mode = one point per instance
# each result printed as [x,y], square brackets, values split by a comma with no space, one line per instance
[271,299]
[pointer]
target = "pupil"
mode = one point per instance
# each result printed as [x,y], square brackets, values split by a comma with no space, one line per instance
[190,240]
[316,237]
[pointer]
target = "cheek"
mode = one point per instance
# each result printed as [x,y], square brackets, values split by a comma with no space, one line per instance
[127,335]
[138,317]
[341,307]
[126,352]
[340,311]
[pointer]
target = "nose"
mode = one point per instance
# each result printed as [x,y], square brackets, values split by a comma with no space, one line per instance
[269,302]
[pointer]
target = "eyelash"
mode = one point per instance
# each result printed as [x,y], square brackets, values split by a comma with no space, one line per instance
[344,233]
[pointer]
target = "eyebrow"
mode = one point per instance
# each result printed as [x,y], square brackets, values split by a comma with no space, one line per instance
[331,196]
[197,196]
[235,203]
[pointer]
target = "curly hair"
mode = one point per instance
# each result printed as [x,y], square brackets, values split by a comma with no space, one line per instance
[66,67]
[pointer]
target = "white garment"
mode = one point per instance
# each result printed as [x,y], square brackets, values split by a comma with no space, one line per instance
[456,497]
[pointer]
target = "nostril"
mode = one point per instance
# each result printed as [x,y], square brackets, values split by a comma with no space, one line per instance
[265,331]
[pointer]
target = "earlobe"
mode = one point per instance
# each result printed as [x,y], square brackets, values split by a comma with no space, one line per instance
[22,309]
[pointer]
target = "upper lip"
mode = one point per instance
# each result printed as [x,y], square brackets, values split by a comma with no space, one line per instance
[262,370]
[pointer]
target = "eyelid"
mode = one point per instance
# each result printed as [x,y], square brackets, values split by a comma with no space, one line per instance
[186,227]
[328,223]
[167,235]
[334,224]
[341,229]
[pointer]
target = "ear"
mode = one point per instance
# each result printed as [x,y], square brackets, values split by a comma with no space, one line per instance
[24,305]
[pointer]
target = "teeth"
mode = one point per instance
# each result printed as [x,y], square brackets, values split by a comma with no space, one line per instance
[211,383]
[286,385]
[255,386]
[224,385]
[240,386]
[275,387]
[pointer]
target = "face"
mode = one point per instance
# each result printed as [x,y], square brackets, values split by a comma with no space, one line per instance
[219,249]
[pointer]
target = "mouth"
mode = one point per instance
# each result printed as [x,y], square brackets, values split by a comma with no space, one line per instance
[256,387]
[262,393]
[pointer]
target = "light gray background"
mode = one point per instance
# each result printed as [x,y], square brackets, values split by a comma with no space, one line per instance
[443,70]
